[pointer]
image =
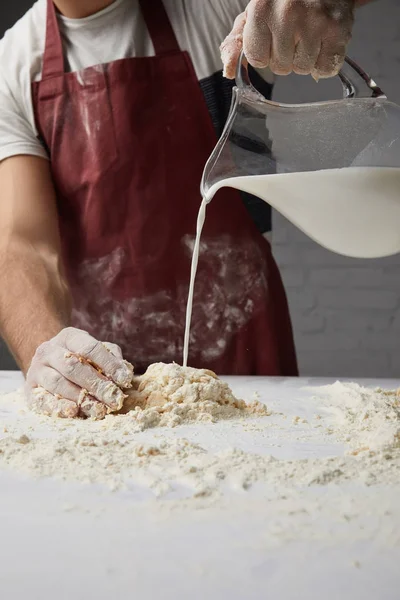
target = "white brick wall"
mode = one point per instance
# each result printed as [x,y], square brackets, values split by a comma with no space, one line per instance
[346,313]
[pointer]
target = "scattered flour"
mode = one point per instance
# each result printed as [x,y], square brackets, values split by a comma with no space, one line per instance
[103,457]
[109,451]
[364,418]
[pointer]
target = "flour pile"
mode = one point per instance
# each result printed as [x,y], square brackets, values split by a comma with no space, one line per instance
[364,418]
[117,453]
[170,395]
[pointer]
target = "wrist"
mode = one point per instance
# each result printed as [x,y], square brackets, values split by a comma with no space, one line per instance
[25,346]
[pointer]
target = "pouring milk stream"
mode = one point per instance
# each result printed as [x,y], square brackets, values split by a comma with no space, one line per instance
[353,210]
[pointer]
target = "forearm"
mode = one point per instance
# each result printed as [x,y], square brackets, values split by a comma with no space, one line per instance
[34,298]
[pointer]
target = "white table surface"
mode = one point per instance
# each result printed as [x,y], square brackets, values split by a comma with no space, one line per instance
[249,546]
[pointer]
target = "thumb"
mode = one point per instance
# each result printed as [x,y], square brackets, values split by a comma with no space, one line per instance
[231,47]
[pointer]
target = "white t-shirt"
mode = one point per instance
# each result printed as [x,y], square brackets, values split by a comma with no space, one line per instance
[116,32]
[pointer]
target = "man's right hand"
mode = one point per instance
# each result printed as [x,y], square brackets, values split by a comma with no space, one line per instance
[73,375]
[304,36]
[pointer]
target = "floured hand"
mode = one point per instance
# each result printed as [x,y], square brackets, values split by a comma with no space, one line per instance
[73,375]
[304,36]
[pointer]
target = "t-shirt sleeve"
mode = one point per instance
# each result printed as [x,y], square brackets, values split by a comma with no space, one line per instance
[17,135]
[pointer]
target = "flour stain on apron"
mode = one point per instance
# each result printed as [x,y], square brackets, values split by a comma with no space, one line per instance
[228,287]
[236,285]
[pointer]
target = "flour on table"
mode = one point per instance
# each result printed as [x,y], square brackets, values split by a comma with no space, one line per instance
[366,419]
[110,451]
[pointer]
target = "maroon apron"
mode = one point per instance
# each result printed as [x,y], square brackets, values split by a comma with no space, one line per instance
[128,141]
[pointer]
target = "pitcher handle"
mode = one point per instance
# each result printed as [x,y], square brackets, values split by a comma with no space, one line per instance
[355,82]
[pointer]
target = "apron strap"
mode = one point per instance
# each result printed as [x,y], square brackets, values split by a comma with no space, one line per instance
[53,57]
[156,19]
[159,26]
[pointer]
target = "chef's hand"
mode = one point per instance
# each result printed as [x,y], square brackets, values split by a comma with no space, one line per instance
[75,375]
[304,36]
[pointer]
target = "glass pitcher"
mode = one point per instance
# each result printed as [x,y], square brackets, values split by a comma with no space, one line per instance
[332,168]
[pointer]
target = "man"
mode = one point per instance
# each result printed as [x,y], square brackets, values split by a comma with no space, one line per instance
[104,132]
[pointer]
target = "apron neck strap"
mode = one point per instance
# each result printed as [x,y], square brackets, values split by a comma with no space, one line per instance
[156,19]
[159,26]
[53,57]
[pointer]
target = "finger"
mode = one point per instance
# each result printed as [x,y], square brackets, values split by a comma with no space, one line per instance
[284,22]
[117,352]
[81,343]
[257,38]
[92,409]
[231,47]
[42,402]
[113,348]
[55,383]
[330,59]
[74,369]
[306,52]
